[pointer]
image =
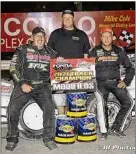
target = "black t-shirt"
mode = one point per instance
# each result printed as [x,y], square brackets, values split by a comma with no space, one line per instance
[69,43]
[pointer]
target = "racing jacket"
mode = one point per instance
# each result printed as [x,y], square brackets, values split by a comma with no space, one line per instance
[108,63]
[30,64]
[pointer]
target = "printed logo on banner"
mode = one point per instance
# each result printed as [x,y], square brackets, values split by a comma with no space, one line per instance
[126,36]
[62,66]
[6,88]
[73,74]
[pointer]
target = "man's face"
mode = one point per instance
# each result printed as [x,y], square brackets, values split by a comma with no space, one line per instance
[106,38]
[68,20]
[39,40]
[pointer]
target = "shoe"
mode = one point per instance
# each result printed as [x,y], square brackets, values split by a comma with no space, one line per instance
[10,146]
[50,144]
[116,133]
[104,136]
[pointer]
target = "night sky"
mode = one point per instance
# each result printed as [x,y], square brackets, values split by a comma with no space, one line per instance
[7,7]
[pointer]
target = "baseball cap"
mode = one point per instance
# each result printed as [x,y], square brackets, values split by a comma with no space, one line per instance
[68,12]
[38,30]
[106,29]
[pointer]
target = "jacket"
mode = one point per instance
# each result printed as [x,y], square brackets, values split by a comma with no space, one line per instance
[108,63]
[30,64]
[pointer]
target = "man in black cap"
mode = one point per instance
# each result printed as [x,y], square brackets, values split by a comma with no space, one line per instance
[69,42]
[30,71]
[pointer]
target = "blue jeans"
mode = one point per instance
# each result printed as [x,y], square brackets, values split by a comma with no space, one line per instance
[41,93]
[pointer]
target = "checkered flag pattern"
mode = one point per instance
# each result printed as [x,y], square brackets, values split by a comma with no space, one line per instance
[126,36]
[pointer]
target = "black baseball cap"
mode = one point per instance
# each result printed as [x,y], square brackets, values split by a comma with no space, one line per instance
[68,12]
[38,30]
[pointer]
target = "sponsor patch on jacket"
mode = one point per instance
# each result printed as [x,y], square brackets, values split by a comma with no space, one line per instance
[14,59]
[75,38]
[38,66]
[30,50]
[114,54]
[107,58]
[100,52]
[36,57]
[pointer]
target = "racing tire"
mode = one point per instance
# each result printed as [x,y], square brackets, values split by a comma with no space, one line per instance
[30,121]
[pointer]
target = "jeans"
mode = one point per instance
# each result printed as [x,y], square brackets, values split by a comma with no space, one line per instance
[105,87]
[41,93]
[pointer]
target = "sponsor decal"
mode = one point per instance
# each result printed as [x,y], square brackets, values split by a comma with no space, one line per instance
[62,66]
[6,89]
[107,58]
[36,57]
[75,38]
[114,54]
[30,50]
[66,128]
[14,58]
[37,67]
[89,126]
[79,102]
[100,52]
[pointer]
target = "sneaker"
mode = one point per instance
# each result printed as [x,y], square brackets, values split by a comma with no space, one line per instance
[116,133]
[104,136]
[50,144]
[10,146]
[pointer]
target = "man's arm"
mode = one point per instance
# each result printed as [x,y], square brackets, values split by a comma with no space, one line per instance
[52,53]
[51,41]
[16,67]
[16,70]
[130,71]
[92,53]
[86,46]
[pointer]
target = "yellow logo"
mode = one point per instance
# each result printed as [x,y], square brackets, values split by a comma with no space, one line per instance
[80,102]
[90,126]
[66,128]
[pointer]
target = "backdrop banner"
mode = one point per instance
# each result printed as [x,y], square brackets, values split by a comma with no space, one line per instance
[16,27]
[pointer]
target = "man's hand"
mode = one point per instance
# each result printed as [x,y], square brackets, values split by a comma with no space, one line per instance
[121,84]
[26,88]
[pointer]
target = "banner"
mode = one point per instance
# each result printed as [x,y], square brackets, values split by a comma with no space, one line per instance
[73,74]
[16,27]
